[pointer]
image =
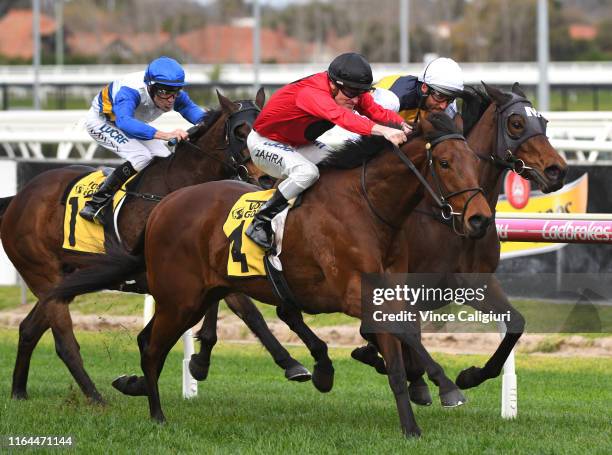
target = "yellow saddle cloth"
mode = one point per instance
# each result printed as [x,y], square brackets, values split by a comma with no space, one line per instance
[246,257]
[80,234]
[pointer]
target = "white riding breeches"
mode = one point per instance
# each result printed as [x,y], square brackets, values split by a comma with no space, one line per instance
[137,151]
[297,164]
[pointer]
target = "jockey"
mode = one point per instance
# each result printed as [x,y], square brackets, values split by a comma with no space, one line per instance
[283,140]
[434,90]
[118,121]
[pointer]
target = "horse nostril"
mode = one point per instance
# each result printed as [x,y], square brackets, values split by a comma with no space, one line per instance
[555,173]
[479,222]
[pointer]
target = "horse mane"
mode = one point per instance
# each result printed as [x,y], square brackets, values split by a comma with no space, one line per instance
[198,130]
[475,103]
[352,154]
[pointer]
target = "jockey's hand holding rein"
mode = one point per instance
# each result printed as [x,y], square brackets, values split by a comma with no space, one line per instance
[395,136]
[178,133]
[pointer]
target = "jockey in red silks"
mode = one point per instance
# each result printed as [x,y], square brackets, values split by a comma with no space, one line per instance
[283,140]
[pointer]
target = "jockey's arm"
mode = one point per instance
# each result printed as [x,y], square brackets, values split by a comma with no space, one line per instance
[125,104]
[190,111]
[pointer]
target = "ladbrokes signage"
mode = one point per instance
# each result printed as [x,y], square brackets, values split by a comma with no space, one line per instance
[572,198]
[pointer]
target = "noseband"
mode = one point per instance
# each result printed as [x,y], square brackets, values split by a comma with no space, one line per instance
[441,200]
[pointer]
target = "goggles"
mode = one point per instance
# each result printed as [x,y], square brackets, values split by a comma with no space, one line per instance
[440,97]
[167,92]
[352,92]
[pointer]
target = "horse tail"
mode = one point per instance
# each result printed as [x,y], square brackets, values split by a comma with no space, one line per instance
[4,203]
[104,271]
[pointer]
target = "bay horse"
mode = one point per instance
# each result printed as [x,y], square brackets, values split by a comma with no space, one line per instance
[507,134]
[343,229]
[32,230]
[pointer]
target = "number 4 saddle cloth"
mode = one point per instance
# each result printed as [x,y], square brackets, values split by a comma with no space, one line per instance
[79,234]
[246,258]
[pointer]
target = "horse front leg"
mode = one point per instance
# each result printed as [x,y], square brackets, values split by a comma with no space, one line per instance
[498,303]
[323,374]
[199,363]
[246,310]
[391,350]
[450,395]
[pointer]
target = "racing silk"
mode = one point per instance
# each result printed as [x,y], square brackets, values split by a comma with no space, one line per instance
[406,89]
[301,111]
[126,103]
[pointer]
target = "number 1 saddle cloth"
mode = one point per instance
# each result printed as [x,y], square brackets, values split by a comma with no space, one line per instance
[79,234]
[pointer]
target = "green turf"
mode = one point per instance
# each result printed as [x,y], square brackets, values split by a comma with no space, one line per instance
[246,406]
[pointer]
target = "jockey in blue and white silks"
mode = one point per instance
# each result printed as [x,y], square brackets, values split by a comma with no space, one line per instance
[119,121]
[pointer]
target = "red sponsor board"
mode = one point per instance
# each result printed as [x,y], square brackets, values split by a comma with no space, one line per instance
[561,231]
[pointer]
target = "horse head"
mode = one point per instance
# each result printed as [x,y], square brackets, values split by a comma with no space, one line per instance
[238,124]
[452,176]
[221,138]
[521,142]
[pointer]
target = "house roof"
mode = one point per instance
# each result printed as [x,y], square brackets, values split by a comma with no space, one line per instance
[92,44]
[16,40]
[582,32]
[234,44]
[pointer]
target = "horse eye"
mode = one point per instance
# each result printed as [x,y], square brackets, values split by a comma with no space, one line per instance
[444,164]
[517,125]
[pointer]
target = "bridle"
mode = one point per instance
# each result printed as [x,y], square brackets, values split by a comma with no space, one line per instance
[236,164]
[506,144]
[245,115]
[442,200]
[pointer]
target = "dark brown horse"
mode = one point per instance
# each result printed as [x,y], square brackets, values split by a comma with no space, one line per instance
[496,123]
[341,231]
[33,242]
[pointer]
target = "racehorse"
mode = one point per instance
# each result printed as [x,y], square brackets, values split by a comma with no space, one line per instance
[216,150]
[507,133]
[326,246]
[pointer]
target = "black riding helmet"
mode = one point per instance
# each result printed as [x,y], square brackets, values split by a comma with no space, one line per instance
[351,70]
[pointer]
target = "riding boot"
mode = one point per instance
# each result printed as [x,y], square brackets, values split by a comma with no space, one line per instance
[93,208]
[260,230]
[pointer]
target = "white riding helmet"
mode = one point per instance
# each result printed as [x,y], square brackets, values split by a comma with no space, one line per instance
[444,75]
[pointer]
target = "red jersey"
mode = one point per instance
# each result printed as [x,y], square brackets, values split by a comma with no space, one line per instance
[301,111]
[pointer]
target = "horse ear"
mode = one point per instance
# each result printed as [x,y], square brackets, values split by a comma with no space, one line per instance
[260,98]
[496,94]
[226,104]
[516,88]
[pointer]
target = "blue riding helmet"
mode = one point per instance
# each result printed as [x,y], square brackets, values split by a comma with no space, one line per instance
[165,71]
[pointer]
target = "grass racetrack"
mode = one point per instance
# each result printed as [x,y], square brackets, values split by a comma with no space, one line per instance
[246,406]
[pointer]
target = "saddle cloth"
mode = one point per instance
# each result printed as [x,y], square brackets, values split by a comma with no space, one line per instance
[246,258]
[79,234]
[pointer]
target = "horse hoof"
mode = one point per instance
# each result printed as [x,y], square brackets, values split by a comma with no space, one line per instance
[420,395]
[197,370]
[468,378]
[133,386]
[323,378]
[412,433]
[452,399]
[369,356]
[19,395]
[298,373]
[97,400]
[159,418]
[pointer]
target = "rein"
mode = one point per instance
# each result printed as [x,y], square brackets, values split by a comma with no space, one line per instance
[246,112]
[442,201]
